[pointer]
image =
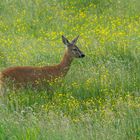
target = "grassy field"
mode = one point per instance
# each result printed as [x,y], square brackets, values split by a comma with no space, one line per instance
[99,99]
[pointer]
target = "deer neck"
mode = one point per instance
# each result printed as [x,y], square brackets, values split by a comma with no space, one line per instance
[61,69]
[65,63]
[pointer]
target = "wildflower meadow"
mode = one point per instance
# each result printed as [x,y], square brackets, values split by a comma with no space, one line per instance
[99,98]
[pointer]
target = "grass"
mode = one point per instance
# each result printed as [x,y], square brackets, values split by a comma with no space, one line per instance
[100,96]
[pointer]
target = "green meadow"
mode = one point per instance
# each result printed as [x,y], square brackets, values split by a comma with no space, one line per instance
[99,98]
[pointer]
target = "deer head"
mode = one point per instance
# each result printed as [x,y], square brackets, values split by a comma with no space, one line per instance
[73,50]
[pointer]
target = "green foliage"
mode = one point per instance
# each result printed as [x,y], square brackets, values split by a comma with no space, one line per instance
[100,96]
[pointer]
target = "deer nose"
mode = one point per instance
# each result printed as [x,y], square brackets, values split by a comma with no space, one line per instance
[82,55]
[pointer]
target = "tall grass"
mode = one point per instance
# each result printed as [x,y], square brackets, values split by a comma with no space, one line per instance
[99,97]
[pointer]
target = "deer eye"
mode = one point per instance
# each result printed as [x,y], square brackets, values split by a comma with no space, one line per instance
[74,49]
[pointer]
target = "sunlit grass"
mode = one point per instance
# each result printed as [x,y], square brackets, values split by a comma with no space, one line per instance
[99,97]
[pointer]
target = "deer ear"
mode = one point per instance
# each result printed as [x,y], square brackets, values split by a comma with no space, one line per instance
[65,41]
[75,40]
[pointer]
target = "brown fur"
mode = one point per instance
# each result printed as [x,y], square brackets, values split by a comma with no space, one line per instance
[23,76]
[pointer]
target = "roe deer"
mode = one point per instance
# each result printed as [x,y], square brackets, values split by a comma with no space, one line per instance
[22,76]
